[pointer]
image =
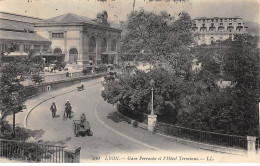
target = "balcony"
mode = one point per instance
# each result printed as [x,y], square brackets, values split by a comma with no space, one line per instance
[194,28]
[203,28]
[221,27]
[230,27]
[212,28]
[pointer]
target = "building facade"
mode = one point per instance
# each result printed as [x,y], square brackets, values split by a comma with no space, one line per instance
[81,39]
[17,34]
[208,30]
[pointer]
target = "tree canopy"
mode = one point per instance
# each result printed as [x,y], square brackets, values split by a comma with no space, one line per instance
[156,35]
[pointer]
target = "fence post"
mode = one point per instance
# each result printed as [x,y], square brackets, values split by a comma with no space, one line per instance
[152,119]
[72,155]
[251,142]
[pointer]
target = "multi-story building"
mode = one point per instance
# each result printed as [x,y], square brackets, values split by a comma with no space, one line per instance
[208,30]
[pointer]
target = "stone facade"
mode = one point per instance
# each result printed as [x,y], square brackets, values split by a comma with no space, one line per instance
[81,39]
[208,30]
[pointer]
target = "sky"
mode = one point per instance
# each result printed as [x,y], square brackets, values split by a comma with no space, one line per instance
[118,9]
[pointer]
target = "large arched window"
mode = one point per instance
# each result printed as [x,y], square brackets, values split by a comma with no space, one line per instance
[73,51]
[73,55]
[113,45]
[92,45]
[57,51]
[103,45]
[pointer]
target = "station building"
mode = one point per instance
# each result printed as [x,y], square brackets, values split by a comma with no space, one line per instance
[81,39]
[208,30]
[69,38]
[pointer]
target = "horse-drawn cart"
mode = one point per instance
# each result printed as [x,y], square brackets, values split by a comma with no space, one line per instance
[81,128]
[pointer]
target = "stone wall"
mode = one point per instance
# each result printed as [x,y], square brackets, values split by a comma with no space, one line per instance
[34,90]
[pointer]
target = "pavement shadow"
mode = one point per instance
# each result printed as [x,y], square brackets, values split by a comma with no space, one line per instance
[114,117]
[57,116]
[36,134]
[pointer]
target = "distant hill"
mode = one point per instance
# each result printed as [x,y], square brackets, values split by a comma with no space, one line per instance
[253,28]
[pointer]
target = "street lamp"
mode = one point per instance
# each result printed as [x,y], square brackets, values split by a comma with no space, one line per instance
[152,82]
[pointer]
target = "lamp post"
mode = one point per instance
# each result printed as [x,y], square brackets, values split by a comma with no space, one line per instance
[152,82]
[152,118]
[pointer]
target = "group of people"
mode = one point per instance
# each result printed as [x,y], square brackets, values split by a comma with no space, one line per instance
[67,112]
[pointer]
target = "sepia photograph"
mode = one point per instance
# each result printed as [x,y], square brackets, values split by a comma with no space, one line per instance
[129,81]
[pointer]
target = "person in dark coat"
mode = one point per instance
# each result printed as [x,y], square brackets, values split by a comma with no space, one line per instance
[53,109]
[68,109]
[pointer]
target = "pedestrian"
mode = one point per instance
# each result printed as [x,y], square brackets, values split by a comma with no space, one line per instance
[82,85]
[83,118]
[67,109]
[53,109]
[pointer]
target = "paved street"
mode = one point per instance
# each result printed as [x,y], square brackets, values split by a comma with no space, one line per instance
[111,137]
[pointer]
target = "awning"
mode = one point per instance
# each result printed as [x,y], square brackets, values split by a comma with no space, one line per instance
[51,54]
[15,54]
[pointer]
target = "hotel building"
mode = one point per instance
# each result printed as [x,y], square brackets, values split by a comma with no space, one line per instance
[208,30]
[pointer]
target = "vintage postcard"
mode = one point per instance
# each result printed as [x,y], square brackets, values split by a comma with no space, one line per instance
[129,81]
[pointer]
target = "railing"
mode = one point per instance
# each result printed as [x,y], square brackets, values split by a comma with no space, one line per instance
[32,152]
[202,136]
[128,112]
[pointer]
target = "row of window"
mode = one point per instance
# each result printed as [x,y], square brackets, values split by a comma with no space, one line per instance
[221,24]
[57,35]
[216,20]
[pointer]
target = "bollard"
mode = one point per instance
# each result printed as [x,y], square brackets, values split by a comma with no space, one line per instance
[152,122]
[72,155]
[251,143]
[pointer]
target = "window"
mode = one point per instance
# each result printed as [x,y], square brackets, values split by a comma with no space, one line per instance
[235,20]
[230,19]
[45,47]
[3,48]
[26,48]
[37,48]
[221,24]
[230,24]
[212,24]
[239,23]
[57,35]
[225,20]
[221,20]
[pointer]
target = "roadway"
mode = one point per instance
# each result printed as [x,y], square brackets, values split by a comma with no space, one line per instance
[112,137]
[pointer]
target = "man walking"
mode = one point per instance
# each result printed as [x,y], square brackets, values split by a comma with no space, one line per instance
[53,110]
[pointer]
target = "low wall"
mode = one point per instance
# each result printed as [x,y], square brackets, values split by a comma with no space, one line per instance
[62,76]
[131,121]
[196,144]
[33,90]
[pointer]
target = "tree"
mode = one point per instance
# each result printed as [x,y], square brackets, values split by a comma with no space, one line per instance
[232,110]
[11,90]
[156,35]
